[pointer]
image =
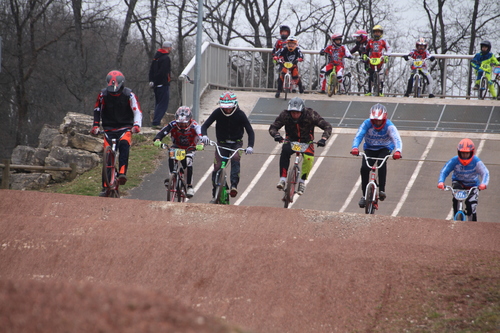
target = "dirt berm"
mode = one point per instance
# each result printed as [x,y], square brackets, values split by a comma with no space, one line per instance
[86,264]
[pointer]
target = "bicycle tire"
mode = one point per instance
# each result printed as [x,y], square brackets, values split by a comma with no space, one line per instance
[416,86]
[497,85]
[376,83]
[171,187]
[347,83]
[370,203]
[286,85]
[113,193]
[460,216]
[483,88]
[181,189]
[291,183]
[332,84]
[219,183]
[109,168]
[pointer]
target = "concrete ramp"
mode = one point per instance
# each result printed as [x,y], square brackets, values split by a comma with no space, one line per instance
[265,269]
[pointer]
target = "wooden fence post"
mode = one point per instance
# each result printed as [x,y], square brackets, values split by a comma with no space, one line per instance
[6,174]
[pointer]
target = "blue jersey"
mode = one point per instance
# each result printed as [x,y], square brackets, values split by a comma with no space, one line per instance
[387,137]
[468,174]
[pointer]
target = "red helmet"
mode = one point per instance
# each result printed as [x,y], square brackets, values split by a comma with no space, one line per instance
[465,151]
[421,42]
[361,33]
[183,117]
[115,80]
[378,112]
[336,36]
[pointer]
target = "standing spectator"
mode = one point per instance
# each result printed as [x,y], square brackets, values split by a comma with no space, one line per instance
[159,80]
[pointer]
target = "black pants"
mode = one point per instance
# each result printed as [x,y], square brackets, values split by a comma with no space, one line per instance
[162,97]
[470,202]
[382,172]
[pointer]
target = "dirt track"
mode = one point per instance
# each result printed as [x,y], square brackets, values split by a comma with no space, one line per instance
[264,269]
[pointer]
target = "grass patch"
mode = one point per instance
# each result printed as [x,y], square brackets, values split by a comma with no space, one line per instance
[143,160]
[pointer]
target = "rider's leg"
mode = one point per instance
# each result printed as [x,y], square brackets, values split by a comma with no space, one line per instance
[307,163]
[124,149]
[235,165]
[430,82]
[286,152]
[370,80]
[410,85]
[456,185]
[479,73]
[491,86]
[217,166]
[471,204]
[188,165]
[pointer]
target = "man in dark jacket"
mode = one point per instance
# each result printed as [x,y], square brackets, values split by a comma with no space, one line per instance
[299,123]
[159,79]
[229,129]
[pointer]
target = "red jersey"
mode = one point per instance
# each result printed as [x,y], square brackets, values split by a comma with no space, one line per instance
[378,48]
[181,138]
[336,54]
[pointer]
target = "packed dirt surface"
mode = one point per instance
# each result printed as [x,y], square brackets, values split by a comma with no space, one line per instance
[86,264]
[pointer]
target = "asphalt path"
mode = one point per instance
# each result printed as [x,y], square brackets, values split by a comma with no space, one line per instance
[334,182]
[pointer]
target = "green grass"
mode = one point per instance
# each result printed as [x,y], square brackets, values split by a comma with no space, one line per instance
[143,160]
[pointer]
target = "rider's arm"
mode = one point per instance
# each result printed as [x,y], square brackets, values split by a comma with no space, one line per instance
[360,134]
[388,49]
[136,108]
[447,168]
[163,132]
[209,122]
[277,124]
[97,110]
[323,124]
[395,137]
[249,129]
[483,171]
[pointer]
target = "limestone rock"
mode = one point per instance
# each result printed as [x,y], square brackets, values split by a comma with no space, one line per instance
[29,181]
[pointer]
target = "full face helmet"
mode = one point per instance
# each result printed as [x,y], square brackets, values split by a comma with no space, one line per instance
[487,44]
[292,43]
[377,28]
[296,108]
[337,39]
[115,80]
[363,36]
[421,42]
[228,103]
[284,31]
[183,117]
[378,116]
[465,151]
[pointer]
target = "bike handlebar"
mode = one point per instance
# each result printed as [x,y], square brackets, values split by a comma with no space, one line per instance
[449,188]
[383,159]
[213,143]
[190,148]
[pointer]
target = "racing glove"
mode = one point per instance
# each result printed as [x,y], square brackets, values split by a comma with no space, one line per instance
[355,151]
[441,186]
[278,138]
[205,139]
[136,129]
[151,84]
[199,147]
[249,151]
[397,155]
[322,52]
[386,59]
[405,57]
[432,58]
[157,143]
[365,57]
[94,130]
[321,143]
[482,187]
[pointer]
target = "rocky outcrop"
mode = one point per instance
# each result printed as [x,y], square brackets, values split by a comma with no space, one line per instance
[58,147]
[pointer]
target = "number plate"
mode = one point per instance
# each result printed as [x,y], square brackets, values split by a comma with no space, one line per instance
[418,63]
[461,195]
[180,154]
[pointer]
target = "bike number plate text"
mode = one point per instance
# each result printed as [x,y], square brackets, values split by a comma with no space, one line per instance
[178,154]
[461,195]
[296,147]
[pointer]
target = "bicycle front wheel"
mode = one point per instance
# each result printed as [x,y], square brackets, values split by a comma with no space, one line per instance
[483,88]
[460,216]
[370,199]
[497,87]
[376,83]
[286,85]
[108,168]
[181,189]
[220,186]
[171,187]
[416,86]
[347,83]
[291,184]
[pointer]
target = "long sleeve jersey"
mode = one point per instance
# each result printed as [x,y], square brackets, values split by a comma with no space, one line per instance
[230,128]
[479,58]
[303,129]
[182,138]
[378,48]
[336,54]
[290,56]
[468,175]
[160,69]
[387,137]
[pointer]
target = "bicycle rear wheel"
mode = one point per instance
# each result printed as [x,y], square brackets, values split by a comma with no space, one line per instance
[181,189]
[376,84]
[171,187]
[220,186]
[108,169]
[291,184]
[347,83]
[483,88]
[497,87]
[370,202]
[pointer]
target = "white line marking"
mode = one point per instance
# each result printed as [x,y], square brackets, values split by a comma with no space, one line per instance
[413,177]
[259,175]
[351,195]
[479,149]
[316,165]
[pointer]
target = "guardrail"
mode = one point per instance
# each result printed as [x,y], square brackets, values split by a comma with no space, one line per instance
[245,68]
[7,167]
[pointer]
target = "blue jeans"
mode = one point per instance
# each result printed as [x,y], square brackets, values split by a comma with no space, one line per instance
[162,97]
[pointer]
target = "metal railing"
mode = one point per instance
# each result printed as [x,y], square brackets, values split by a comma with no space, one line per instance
[246,68]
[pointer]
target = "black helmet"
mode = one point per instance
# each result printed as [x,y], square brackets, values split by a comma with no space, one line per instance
[296,104]
[284,28]
[487,44]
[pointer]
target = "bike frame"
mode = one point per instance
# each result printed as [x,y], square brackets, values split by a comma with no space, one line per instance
[372,189]
[460,195]
[419,80]
[377,64]
[294,171]
[110,169]
[288,83]
[221,191]
[175,184]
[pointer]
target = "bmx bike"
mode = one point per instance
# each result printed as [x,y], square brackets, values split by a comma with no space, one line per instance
[289,84]
[419,79]
[486,83]
[461,195]
[333,84]
[110,167]
[377,66]
[176,183]
[372,189]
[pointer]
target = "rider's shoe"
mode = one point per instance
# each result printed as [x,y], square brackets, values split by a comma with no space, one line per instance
[302,188]
[212,201]
[368,94]
[281,185]
[408,95]
[381,95]
[431,96]
[382,195]
[122,179]
[233,192]
[277,95]
[190,192]
[362,202]
[476,87]
[103,192]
